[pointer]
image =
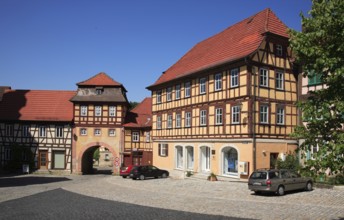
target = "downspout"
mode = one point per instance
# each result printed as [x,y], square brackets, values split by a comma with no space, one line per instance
[254,120]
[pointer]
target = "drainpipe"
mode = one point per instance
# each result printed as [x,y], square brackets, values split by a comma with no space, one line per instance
[254,119]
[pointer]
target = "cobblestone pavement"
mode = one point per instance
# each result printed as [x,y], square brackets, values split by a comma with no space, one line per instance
[198,196]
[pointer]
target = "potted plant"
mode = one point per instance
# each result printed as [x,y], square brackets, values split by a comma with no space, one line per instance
[212,177]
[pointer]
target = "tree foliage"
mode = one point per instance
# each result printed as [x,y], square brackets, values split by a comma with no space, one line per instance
[132,105]
[319,49]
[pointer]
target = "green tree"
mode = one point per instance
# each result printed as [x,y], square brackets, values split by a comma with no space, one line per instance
[96,155]
[132,105]
[319,49]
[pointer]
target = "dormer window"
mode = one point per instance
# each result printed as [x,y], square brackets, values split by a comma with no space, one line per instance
[99,90]
[279,50]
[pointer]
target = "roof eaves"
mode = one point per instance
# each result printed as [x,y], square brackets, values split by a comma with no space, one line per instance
[200,69]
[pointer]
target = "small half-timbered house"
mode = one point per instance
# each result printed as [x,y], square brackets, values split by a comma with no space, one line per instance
[100,108]
[228,105]
[36,129]
[137,131]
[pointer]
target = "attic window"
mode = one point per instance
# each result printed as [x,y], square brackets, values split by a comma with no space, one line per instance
[99,90]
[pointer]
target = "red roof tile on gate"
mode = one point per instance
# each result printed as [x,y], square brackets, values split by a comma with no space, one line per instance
[37,105]
[237,41]
[141,115]
[101,79]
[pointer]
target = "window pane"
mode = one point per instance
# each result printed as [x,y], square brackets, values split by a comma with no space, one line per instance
[218,81]
[234,77]
[263,78]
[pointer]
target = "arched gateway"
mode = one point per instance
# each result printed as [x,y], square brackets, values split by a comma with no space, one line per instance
[85,158]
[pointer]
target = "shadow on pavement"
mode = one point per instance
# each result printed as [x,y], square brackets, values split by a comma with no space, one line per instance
[76,206]
[29,180]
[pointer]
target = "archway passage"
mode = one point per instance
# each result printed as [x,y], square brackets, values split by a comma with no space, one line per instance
[90,162]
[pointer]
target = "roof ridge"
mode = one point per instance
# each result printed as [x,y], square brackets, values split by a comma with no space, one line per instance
[100,74]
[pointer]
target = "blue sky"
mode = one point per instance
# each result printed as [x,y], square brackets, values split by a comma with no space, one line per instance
[54,44]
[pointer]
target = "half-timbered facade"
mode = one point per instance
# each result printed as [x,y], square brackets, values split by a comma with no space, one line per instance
[227,106]
[138,148]
[100,108]
[36,129]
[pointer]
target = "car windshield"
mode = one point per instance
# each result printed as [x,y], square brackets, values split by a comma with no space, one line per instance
[258,175]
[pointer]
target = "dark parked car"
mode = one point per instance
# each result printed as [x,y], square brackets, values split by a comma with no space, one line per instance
[125,171]
[149,171]
[278,181]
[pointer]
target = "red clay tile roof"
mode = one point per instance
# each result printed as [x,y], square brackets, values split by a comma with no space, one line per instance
[141,115]
[101,79]
[37,105]
[237,41]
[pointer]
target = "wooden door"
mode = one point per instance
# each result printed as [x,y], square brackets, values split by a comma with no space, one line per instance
[43,160]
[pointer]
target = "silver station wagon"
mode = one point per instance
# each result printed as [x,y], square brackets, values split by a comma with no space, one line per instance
[278,181]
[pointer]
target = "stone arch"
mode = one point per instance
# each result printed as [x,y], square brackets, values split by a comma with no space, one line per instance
[90,148]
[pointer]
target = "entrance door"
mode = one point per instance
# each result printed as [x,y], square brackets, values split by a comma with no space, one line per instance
[43,160]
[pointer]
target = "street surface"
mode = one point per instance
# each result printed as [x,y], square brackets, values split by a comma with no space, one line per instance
[112,197]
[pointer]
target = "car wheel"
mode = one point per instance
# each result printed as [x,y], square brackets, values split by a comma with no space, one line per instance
[142,177]
[164,175]
[280,191]
[309,186]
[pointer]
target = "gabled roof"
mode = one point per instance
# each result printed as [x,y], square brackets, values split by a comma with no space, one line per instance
[37,105]
[140,116]
[236,42]
[101,79]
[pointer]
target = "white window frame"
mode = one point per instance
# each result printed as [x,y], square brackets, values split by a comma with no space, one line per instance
[159,122]
[279,79]
[178,120]
[235,114]
[98,110]
[97,132]
[179,157]
[235,77]
[218,82]
[190,157]
[264,114]
[187,87]
[112,111]
[280,115]
[99,91]
[203,118]
[187,119]
[163,150]
[112,132]
[59,132]
[42,131]
[158,96]
[218,116]
[9,130]
[169,121]
[169,94]
[83,110]
[279,50]
[264,77]
[148,136]
[25,131]
[135,136]
[178,91]
[83,131]
[202,85]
